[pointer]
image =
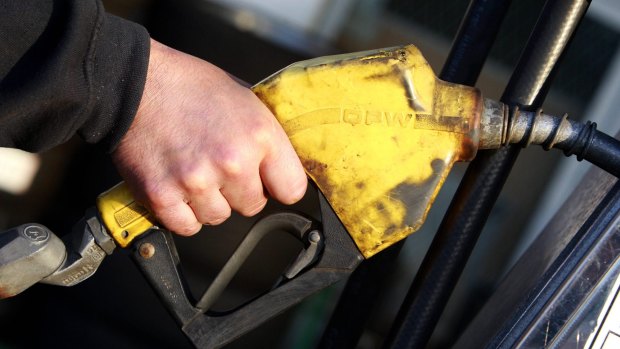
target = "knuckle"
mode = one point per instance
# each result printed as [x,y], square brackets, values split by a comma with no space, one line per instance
[195,183]
[262,132]
[231,163]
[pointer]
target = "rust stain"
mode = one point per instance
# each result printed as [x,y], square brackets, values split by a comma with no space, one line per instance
[380,206]
[391,230]
[476,110]
[5,294]
[468,149]
[314,166]
[470,143]
[378,76]
[317,170]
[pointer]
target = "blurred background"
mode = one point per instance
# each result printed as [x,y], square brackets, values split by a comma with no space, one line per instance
[252,39]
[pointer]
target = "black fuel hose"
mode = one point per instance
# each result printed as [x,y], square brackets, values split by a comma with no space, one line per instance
[596,147]
[572,137]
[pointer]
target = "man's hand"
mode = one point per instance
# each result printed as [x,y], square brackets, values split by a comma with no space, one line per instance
[202,144]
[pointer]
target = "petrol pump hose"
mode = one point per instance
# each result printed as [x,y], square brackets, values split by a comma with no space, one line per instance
[377,133]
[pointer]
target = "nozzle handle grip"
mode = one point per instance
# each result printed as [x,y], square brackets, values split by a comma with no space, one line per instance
[124,217]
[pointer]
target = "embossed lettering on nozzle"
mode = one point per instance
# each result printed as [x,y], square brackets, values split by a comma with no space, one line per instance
[87,246]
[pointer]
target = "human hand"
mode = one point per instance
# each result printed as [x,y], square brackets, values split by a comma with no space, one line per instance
[201,144]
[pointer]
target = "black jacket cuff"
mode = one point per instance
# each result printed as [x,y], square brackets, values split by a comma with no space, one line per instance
[118,61]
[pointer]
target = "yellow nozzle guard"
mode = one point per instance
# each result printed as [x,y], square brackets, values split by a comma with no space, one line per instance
[378,133]
[124,218]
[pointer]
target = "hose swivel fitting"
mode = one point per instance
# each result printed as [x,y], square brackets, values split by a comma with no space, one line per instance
[502,124]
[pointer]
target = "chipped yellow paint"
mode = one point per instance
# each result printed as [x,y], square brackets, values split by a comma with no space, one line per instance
[378,133]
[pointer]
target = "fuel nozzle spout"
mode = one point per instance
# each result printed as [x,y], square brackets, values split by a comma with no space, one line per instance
[502,124]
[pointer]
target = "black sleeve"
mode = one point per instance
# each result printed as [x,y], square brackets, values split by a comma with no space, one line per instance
[67,66]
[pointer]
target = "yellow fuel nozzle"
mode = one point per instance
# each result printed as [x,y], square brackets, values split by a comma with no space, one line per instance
[378,133]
